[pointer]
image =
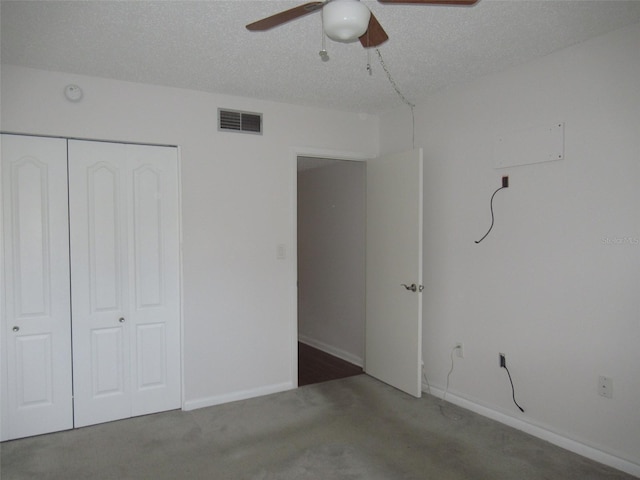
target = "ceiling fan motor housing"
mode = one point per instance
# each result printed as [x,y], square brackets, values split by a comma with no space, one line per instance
[345,20]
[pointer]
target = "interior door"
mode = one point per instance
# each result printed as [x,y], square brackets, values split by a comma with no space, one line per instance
[124,269]
[36,324]
[394,257]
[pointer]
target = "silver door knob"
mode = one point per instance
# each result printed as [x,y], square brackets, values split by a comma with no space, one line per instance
[413,287]
[16,329]
[121,320]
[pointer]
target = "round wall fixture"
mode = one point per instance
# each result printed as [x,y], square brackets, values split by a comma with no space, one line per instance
[73,93]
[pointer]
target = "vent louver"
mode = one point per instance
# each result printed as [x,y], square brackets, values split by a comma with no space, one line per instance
[237,121]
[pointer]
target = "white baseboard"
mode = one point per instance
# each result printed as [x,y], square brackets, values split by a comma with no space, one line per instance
[542,433]
[234,396]
[336,352]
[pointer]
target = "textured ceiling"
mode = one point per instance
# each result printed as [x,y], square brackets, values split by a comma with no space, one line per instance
[204,45]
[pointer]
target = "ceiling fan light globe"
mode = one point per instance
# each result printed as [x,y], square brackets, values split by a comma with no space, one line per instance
[345,20]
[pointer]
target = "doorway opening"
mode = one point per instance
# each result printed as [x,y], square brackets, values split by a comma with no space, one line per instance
[331,229]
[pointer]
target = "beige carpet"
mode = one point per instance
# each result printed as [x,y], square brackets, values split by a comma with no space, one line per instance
[354,428]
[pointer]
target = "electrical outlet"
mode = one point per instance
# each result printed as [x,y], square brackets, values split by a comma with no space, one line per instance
[460,350]
[605,387]
[503,360]
[505,181]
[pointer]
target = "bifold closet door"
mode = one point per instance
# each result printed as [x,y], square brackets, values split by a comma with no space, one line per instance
[123,210]
[36,325]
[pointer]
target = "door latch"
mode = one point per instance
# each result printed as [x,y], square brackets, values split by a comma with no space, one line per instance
[413,287]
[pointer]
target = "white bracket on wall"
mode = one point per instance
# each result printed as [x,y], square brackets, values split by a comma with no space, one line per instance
[533,145]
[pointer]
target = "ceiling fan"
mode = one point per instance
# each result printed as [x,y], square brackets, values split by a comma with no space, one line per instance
[345,20]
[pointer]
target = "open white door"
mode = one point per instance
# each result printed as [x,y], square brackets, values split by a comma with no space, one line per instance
[394,257]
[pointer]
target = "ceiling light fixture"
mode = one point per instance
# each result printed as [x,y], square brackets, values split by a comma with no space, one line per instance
[345,20]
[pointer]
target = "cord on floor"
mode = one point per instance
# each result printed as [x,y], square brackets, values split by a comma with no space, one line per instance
[424,376]
[446,389]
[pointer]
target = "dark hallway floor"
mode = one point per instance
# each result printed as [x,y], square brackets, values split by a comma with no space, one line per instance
[315,366]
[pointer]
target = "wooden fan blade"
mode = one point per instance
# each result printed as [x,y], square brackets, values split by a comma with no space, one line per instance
[375,34]
[284,17]
[434,2]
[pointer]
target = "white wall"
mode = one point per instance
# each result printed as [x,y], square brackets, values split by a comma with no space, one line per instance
[238,204]
[555,286]
[331,258]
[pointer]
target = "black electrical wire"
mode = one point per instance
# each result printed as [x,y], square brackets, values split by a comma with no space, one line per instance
[492,217]
[513,390]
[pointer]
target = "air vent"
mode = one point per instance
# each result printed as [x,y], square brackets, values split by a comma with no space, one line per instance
[236,121]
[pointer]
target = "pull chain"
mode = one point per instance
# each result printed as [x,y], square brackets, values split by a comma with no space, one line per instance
[324,55]
[402,97]
[392,81]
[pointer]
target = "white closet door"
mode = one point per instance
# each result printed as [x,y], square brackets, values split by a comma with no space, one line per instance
[124,269]
[154,288]
[36,325]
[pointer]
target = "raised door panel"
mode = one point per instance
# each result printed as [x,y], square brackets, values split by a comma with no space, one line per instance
[34,370]
[148,238]
[104,246]
[107,365]
[98,216]
[151,350]
[36,378]
[29,217]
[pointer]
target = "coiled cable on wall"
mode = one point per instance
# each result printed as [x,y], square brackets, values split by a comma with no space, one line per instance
[505,184]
